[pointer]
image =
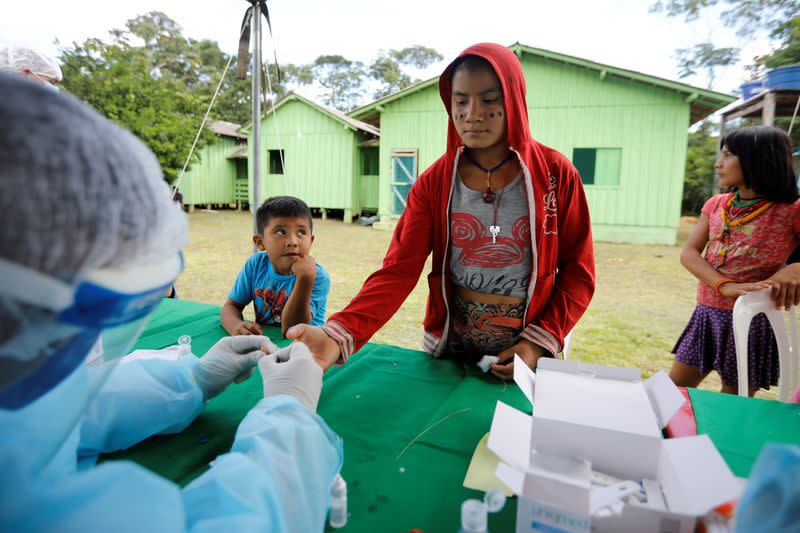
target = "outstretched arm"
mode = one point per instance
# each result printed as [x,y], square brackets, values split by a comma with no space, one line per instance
[142,398]
[384,291]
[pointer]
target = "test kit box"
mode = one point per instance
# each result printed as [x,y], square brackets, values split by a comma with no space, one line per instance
[595,422]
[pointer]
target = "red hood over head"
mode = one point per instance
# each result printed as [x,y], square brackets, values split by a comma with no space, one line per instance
[512,81]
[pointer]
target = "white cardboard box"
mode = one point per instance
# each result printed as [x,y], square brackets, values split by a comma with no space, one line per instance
[591,417]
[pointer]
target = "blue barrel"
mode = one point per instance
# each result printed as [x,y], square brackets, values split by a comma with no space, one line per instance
[784,77]
[751,88]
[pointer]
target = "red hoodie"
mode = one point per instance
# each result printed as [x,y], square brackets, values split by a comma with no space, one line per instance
[562,266]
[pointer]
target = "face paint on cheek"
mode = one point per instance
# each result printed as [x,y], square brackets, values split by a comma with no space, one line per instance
[499,113]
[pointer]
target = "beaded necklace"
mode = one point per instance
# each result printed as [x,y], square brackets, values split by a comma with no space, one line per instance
[732,219]
[739,202]
[489,195]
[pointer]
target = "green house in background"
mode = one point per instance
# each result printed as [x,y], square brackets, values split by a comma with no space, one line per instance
[319,154]
[626,133]
[219,177]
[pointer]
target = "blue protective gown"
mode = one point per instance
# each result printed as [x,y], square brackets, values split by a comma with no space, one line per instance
[277,476]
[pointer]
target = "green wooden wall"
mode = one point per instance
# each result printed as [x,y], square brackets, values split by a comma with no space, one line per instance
[321,158]
[571,107]
[210,180]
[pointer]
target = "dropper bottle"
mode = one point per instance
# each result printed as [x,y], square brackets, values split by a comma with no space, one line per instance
[338,514]
[184,345]
[474,517]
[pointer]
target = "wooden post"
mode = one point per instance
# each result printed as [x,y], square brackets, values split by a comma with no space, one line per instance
[255,96]
[348,216]
[768,113]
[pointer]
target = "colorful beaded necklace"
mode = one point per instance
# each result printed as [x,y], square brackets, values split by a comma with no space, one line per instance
[748,210]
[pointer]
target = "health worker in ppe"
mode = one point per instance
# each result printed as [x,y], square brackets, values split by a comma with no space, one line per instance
[89,241]
[31,64]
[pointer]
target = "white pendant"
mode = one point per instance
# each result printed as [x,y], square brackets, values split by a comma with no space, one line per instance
[495,231]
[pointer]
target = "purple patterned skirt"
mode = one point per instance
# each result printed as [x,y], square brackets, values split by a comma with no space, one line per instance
[707,343]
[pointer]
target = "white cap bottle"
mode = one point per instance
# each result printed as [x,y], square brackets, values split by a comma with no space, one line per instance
[474,517]
[338,514]
[184,345]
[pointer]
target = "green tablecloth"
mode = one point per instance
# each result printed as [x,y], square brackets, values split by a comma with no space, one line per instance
[741,426]
[379,402]
[385,397]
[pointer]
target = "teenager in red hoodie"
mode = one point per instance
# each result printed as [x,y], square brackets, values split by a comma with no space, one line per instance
[510,274]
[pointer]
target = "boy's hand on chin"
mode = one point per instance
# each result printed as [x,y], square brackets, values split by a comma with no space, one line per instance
[305,267]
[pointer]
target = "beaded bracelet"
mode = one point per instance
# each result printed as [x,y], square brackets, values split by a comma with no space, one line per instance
[720,282]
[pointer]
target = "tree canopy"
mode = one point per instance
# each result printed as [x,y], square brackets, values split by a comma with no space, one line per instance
[153,80]
[777,19]
[749,18]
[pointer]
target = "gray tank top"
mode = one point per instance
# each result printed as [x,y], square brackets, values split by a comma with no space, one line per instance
[499,265]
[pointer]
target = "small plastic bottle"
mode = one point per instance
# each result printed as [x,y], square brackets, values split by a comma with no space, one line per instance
[184,345]
[474,517]
[495,500]
[338,514]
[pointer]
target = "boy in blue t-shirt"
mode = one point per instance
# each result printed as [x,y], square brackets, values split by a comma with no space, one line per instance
[285,284]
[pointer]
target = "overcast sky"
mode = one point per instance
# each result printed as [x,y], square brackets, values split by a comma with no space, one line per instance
[620,33]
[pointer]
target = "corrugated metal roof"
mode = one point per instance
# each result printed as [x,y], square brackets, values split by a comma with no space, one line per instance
[239,153]
[370,143]
[363,126]
[229,129]
[702,102]
[331,112]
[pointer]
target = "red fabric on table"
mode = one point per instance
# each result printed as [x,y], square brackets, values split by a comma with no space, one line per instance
[682,424]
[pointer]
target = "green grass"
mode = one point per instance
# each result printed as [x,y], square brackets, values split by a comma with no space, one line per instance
[643,299]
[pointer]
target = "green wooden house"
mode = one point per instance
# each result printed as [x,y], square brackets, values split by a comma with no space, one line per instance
[626,132]
[219,176]
[319,154]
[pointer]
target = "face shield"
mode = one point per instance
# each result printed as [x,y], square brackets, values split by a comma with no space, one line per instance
[93,322]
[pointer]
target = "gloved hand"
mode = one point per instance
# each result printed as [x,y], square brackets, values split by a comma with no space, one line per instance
[231,359]
[293,371]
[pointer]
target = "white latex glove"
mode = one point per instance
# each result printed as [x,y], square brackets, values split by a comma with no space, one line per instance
[293,371]
[231,359]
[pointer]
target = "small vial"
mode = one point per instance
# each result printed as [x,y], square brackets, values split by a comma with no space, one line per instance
[474,517]
[184,345]
[495,500]
[338,514]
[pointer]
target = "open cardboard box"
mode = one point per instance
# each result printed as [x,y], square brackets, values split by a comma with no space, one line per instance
[591,417]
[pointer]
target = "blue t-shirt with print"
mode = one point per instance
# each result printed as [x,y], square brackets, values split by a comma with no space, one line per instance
[258,282]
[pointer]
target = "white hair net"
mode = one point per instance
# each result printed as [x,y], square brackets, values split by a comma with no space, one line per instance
[77,192]
[16,58]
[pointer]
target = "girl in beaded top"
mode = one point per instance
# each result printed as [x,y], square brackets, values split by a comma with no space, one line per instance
[747,235]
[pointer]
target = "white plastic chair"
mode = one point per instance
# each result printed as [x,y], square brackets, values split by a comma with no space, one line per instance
[748,306]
